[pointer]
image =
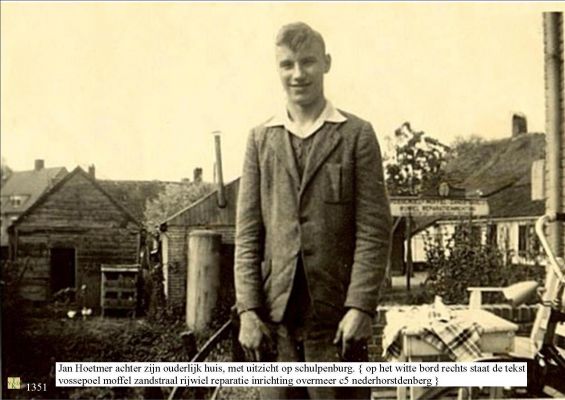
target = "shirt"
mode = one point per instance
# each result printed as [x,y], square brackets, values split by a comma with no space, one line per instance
[328,114]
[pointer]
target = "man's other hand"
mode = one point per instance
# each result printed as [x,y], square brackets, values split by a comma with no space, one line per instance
[354,328]
[254,335]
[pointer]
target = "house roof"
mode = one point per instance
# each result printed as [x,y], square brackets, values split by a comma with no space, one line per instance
[501,171]
[30,184]
[205,211]
[61,184]
[492,165]
[515,201]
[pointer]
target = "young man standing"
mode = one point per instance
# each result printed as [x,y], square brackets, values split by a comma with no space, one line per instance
[313,225]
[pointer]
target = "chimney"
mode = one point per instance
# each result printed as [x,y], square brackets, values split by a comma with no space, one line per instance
[92,171]
[219,174]
[197,176]
[519,124]
[39,165]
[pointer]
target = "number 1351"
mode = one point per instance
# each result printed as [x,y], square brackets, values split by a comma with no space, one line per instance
[36,387]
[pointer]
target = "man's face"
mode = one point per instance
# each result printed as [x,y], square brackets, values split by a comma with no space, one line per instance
[302,72]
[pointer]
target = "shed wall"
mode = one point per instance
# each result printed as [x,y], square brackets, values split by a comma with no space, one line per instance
[78,216]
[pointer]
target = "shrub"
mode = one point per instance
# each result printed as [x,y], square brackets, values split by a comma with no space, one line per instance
[14,320]
[157,304]
[462,261]
[91,340]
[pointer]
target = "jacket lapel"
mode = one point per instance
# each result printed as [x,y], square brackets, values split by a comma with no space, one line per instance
[280,144]
[324,143]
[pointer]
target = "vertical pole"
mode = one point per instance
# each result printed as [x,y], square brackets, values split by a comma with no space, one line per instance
[553,40]
[408,251]
[553,55]
[219,173]
[392,253]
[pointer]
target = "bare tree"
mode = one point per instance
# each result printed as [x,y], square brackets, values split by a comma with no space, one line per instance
[5,171]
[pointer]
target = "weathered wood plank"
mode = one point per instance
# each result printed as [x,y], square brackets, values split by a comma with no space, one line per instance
[77,215]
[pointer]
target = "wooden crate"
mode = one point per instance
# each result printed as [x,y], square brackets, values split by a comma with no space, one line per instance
[118,288]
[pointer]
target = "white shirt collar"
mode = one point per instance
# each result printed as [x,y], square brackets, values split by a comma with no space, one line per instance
[328,114]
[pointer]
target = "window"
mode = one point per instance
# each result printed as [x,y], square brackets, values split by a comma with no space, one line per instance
[16,201]
[522,240]
[528,242]
[534,245]
[492,235]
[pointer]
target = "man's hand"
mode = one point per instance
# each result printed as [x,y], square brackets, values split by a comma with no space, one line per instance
[354,327]
[254,335]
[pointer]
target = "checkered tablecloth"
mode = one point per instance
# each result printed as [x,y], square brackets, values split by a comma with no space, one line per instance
[436,325]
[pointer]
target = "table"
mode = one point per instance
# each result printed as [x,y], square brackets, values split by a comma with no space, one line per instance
[497,338]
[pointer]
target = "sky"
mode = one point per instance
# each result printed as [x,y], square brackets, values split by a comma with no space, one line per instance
[136,88]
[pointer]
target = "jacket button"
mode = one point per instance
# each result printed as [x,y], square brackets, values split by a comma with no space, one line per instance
[307,252]
[303,219]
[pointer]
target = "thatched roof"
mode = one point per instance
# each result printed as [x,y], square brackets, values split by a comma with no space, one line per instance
[501,171]
[492,165]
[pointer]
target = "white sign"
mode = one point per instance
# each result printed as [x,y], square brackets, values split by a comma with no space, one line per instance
[445,374]
[416,207]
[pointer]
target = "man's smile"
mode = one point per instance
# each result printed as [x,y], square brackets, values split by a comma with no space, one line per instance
[300,86]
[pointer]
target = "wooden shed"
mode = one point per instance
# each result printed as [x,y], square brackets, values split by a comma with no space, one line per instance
[203,214]
[67,235]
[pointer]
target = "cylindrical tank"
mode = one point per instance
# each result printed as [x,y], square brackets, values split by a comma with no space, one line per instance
[203,278]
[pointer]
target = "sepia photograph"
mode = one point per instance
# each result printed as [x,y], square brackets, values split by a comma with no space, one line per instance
[323,185]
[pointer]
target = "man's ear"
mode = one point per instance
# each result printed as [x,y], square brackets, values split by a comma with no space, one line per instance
[328,60]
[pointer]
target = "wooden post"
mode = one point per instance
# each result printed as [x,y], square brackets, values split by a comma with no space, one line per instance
[203,278]
[392,257]
[189,344]
[398,245]
[408,251]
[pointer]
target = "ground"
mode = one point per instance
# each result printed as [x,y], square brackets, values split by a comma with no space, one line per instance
[43,340]
[50,339]
[397,293]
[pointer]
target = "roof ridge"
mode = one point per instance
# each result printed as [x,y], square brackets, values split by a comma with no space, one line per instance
[35,170]
[78,170]
[138,181]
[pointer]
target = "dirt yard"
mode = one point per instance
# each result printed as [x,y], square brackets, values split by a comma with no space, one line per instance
[49,340]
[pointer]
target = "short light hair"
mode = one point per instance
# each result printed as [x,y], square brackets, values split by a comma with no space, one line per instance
[298,34]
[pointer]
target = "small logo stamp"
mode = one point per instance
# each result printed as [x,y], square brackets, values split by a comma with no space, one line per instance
[14,382]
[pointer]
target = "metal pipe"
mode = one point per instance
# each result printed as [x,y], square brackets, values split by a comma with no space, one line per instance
[553,40]
[409,266]
[554,264]
[219,174]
